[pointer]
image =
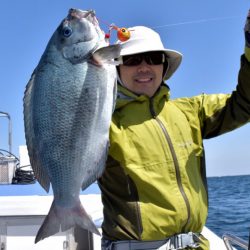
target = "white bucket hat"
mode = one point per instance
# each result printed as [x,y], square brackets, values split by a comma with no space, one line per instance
[143,39]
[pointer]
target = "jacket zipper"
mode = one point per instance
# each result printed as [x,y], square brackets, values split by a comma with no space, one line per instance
[176,163]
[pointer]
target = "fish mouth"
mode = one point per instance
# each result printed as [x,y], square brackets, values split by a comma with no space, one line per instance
[79,14]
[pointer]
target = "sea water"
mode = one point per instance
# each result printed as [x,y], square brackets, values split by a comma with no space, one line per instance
[229,205]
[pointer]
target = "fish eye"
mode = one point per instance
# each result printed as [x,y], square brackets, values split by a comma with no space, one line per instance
[67,31]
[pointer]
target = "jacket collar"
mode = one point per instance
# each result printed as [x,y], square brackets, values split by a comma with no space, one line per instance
[125,96]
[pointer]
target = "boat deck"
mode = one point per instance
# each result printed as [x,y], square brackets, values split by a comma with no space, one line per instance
[21,217]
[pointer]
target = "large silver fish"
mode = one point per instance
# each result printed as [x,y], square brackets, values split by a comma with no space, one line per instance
[68,105]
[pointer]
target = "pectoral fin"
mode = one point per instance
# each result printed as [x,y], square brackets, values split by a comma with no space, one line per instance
[107,54]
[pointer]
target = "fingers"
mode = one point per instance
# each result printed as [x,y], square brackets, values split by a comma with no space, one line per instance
[247,30]
[248,16]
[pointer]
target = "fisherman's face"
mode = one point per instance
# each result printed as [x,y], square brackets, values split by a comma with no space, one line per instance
[142,75]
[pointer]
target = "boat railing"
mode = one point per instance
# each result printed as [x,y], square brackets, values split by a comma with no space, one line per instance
[231,240]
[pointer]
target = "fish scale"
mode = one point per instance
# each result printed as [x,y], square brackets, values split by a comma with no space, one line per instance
[68,105]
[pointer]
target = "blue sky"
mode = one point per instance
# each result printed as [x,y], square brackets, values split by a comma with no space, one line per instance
[209,34]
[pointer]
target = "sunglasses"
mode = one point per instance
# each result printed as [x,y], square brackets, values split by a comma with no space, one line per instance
[151,58]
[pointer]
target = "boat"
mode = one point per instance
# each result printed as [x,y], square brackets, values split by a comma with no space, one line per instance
[21,217]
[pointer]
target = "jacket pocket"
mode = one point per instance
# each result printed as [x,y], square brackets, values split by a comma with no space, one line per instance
[135,198]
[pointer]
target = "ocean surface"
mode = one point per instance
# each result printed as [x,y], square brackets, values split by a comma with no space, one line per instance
[229,205]
[229,202]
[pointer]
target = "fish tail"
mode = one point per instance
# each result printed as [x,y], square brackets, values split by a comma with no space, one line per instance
[60,219]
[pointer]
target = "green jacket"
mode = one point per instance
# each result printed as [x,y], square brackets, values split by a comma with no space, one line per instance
[154,184]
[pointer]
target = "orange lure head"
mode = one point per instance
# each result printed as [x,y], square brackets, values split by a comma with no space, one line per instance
[123,34]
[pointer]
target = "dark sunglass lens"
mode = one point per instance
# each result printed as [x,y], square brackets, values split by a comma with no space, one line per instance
[132,60]
[154,58]
[151,58]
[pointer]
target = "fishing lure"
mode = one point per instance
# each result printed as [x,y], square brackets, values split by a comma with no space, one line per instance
[123,34]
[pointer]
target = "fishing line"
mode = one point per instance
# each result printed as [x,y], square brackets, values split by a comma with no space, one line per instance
[196,21]
[123,34]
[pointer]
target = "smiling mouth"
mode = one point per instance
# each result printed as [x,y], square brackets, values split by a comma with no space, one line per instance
[144,80]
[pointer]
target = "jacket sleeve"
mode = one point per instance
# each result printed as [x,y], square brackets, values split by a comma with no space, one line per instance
[223,113]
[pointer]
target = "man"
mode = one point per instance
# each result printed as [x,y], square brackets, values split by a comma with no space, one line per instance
[154,188]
